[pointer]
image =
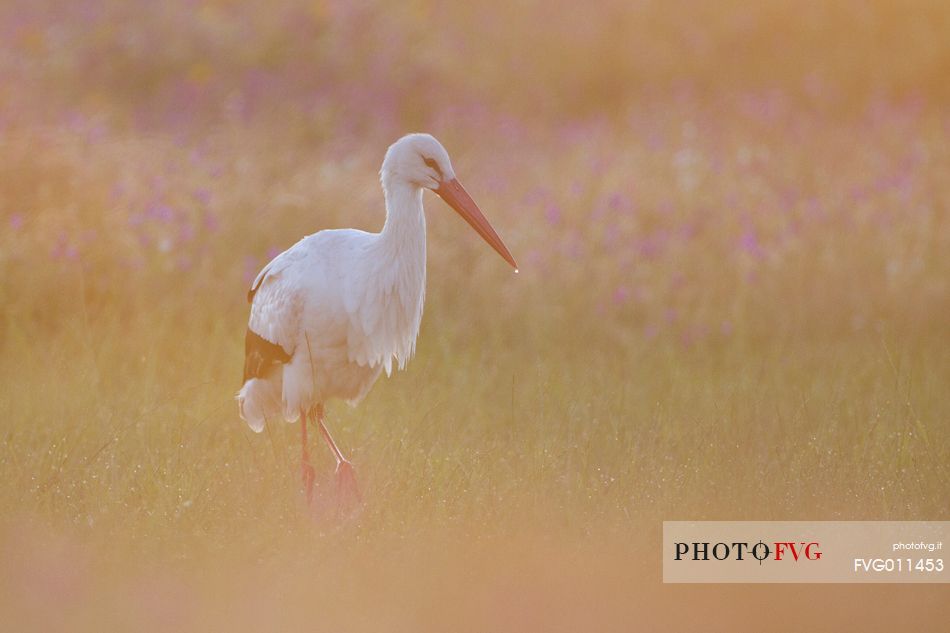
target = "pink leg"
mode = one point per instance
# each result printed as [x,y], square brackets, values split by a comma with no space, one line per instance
[345,475]
[306,469]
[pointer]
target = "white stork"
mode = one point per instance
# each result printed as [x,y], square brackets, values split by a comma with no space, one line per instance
[338,307]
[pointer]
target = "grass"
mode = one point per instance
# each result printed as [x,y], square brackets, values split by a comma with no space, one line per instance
[731,306]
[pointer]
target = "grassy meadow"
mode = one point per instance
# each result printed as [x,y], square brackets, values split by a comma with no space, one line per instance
[734,303]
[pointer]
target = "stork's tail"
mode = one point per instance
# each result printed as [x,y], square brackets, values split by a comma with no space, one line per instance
[259,400]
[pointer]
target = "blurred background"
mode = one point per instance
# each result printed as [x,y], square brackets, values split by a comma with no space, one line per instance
[732,226]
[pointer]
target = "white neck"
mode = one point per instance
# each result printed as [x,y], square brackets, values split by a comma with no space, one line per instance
[399,270]
[404,235]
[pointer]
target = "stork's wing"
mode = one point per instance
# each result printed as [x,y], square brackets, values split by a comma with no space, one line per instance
[384,313]
[274,324]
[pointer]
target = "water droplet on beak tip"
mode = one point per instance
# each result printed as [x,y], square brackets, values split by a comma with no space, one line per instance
[516,271]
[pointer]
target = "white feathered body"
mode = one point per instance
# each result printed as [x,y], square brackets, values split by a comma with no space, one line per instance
[344,305]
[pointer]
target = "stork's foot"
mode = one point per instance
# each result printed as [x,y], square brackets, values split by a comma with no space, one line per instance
[349,498]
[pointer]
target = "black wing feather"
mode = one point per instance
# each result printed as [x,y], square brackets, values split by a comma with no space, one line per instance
[253,289]
[261,356]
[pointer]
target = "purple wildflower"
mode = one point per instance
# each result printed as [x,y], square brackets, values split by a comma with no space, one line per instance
[618,201]
[749,242]
[211,222]
[186,233]
[64,249]
[621,295]
[203,196]
[160,212]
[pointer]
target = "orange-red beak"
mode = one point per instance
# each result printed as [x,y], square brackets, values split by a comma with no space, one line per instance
[455,195]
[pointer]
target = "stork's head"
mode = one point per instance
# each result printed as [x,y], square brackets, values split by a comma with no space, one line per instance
[419,160]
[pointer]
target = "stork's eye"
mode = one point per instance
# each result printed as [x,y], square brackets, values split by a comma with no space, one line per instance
[434,165]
